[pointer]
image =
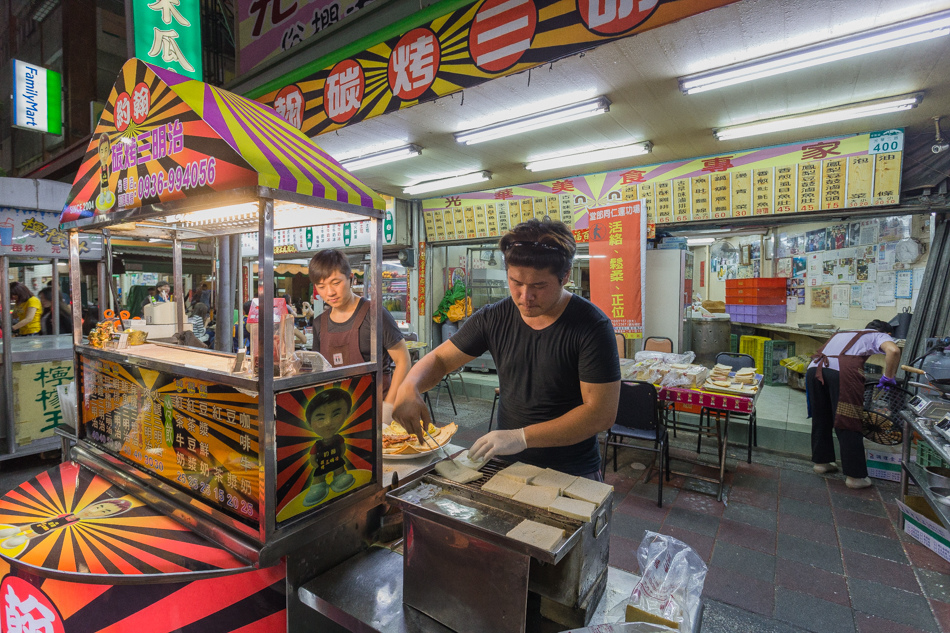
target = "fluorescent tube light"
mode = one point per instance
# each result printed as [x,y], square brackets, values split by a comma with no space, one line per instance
[547,118]
[699,241]
[918,30]
[582,158]
[590,257]
[820,117]
[381,158]
[447,183]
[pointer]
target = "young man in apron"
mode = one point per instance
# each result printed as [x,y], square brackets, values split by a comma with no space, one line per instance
[835,385]
[341,333]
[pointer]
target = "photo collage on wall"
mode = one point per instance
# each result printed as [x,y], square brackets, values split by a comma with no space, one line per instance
[848,265]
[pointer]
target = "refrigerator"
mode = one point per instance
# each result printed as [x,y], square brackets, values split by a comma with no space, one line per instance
[667,296]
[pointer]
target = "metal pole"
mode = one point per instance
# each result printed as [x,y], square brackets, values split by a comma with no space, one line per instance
[373,290]
[222,338]
[54,297]
[75,287]
[241,299]
[267,436]
[10,425]
[176,273]
[107,246]
[103,297]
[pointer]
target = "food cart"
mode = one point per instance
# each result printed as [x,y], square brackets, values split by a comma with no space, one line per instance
[199,481]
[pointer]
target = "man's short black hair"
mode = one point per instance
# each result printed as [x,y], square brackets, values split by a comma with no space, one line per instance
[542,244]
[326,263]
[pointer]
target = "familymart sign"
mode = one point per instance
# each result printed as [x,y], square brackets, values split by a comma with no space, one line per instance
[37,98]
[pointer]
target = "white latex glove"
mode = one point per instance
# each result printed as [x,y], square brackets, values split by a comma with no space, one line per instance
[387,413]
[498,443]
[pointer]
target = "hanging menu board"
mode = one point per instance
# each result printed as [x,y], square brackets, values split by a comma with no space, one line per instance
[860,170]
[763,191]
[700,197]
[741,194]
[721,206]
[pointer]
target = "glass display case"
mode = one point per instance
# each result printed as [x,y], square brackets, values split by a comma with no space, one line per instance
[395,290]
[485,283]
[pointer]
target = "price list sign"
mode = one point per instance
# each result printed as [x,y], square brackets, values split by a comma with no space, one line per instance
[199,436]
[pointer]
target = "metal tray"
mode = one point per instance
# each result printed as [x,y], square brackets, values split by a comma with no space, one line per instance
[484,516]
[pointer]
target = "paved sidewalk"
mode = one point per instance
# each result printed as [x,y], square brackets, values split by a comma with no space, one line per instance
[789,551]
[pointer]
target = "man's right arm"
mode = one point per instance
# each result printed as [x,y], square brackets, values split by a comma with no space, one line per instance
[410,409]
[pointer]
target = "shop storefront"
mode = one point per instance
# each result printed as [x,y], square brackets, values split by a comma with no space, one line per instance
[33,256]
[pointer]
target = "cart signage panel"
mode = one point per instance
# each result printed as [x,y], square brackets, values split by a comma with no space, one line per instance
[325,444]
[30,233]
[36,400]
[618,264]
[199,436]
[164,137]
[37,98]
[461,49]
[840,172]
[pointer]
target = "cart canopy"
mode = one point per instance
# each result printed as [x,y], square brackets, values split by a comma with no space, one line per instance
[164,137]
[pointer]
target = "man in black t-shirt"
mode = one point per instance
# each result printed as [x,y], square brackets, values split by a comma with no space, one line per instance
[555,353]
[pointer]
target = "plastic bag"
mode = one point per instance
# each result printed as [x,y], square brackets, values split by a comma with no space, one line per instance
[623,627]
[796,363]
[676,378]
[672,581]
[686,358]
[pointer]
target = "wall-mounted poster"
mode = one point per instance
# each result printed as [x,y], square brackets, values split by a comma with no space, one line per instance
[821,297]
[325,440]
[815,241]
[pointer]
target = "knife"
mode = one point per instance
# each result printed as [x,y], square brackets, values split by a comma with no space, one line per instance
[437,445]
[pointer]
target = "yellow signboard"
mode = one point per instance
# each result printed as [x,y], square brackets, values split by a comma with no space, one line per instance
[822,175]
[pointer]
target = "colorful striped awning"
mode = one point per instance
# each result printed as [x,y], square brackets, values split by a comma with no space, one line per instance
[164,137]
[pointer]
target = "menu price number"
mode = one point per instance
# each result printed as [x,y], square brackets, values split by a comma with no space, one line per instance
[808,207]
[197,173]
[783,209]
[218,494]
[886,141]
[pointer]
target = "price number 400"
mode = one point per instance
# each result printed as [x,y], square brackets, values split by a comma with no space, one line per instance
[885,145]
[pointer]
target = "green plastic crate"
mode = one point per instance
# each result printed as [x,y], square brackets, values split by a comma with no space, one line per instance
[927,456]
[734,343]
[775,352]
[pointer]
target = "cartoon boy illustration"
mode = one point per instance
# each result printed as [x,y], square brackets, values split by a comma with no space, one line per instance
[106,199]
[14,537]
[326,415]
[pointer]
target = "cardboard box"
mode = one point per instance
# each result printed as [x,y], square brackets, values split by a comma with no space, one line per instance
[883,464]
[921,523]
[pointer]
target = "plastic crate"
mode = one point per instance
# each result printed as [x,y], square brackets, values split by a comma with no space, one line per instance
[927,456]
[754,346]
[734,343]
[741,313]
[756,282]
[775,352]
[757,300]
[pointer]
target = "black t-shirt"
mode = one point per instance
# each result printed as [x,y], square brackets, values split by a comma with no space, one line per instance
[540,371]
[388,330]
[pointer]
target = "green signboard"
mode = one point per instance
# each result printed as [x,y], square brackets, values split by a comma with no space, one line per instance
[168,34]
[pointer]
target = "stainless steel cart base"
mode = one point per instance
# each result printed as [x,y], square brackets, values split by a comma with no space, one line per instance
[365,594]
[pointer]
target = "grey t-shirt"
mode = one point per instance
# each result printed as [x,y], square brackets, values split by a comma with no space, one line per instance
[388,330]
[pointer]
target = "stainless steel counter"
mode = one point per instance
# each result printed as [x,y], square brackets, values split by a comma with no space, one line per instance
[27,349]
[364,594]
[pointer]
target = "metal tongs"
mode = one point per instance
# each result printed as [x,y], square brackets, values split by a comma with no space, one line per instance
[437,445]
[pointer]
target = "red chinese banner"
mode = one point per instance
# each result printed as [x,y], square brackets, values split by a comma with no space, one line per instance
[618,263]
[422,281]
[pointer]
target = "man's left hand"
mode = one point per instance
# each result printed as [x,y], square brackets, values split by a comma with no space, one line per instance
[498,443]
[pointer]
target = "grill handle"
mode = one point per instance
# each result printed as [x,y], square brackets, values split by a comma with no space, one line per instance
[913,370]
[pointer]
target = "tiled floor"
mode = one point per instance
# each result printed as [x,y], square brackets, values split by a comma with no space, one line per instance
[788,551]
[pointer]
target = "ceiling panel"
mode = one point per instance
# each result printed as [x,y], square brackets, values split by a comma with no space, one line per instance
[639,75]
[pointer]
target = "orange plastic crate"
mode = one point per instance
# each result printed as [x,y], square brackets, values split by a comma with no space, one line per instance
[755,300]
[756,282]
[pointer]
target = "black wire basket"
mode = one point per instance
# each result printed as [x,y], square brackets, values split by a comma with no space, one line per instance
[881,422]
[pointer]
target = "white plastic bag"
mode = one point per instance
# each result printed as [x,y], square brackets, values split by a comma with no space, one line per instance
[67,403]
[672,580]
[686,358]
